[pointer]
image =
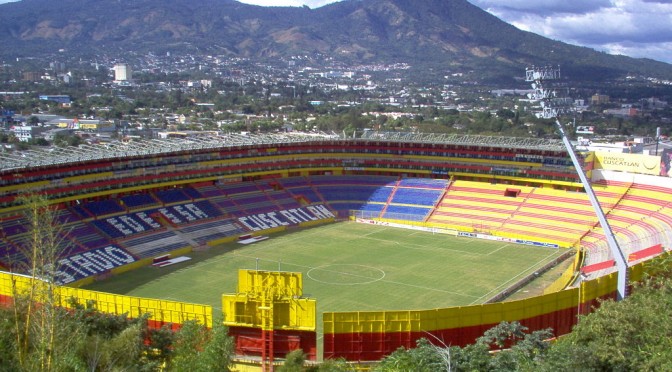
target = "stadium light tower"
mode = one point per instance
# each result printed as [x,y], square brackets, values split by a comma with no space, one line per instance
[552,106]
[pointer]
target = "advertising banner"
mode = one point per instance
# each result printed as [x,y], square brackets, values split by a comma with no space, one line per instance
[632,163]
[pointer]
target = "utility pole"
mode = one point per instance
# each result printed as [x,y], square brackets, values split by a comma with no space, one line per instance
[552,106]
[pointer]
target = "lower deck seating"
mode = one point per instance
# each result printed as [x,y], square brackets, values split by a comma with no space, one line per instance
[84,237]
[411,213]
[549,215]
[153,244]
[213,230]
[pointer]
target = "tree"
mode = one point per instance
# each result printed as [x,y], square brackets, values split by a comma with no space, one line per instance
[423,358]
[293,361]
[332,365]
[198,349]
[36,332]
[523,349]
[633,334]
[39,334]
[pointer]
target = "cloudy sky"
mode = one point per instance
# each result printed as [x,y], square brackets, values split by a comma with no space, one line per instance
[636,28]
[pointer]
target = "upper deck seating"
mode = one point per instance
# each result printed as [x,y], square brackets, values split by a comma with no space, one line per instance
[103,207]
[138,200]
[80,211]
[64,216]
[292,182]
[171,196]
[13,225]
[239,188]
[15,248]
[353,180]
[307,192]
[210,191]
[192,193]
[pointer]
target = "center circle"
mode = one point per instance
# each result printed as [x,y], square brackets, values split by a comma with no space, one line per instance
[345,274]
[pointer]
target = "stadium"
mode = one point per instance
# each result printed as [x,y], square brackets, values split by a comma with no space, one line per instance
[125,207]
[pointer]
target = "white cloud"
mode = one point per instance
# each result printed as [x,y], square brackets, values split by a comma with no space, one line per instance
[310,3]
[637,28]
[541,6]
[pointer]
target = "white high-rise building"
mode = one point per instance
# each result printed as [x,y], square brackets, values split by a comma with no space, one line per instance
[122,72]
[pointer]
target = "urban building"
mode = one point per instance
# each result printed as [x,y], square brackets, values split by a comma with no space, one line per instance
[123,72]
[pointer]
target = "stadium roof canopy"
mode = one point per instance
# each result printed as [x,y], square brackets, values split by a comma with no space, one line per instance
[112,150]
[471,140]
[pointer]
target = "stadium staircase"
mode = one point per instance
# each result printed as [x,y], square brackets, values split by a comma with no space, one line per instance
[438,200]
[389,198]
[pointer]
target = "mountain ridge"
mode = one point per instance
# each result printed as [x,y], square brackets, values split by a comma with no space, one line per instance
[450,33]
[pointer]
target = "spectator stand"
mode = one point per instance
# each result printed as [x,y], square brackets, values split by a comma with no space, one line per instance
[171,196]
[139,201]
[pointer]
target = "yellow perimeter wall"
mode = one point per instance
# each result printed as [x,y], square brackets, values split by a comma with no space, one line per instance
[160,311]
[370,335]
[455,317]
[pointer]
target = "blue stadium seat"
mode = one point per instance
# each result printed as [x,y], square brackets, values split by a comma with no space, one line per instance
[103,207]
[138,200]
[171,196]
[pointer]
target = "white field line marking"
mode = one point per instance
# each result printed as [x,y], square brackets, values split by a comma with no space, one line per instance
[382,280]
[496,250]
[523,272]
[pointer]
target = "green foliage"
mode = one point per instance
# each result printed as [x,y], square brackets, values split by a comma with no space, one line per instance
[218,351]
[198,349]
[65,140]
[93,341]
[522,351]
[37,334]
[332,365]
[293,361]
[630,335]
[423,358]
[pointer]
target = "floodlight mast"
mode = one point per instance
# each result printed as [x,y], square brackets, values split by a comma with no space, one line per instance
[552,107]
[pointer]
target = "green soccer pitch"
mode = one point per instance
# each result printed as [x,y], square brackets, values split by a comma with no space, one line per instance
[349,267]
